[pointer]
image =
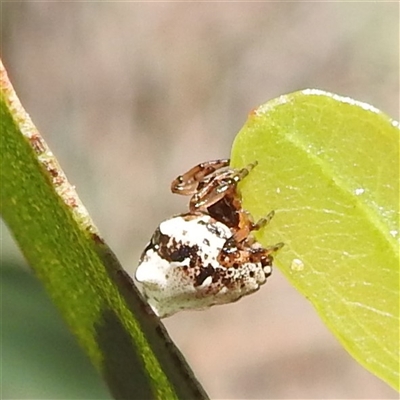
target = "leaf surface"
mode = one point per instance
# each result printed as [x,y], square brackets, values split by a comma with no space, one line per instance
[329,167]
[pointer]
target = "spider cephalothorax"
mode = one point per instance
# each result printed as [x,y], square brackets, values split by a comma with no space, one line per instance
[206,256]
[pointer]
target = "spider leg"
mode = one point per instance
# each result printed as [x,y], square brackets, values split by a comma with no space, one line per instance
[216,186]
[246,225]
[264,255]
[263,221]
[187,183]
[212,191]
[274,247]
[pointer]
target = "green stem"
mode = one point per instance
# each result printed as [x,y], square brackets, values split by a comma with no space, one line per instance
[102,306]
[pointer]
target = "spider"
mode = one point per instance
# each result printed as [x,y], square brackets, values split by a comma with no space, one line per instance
[206,256]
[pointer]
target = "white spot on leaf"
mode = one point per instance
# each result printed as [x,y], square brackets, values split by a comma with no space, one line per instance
[297,265]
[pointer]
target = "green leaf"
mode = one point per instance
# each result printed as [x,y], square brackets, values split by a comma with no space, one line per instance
[62,245]
[329,167]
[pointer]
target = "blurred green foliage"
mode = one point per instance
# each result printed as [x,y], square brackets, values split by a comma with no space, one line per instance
[40,357]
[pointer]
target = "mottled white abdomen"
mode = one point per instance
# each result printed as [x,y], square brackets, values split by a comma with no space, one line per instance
[180,267]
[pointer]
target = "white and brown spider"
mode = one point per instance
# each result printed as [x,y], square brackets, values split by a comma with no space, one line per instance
[206,256]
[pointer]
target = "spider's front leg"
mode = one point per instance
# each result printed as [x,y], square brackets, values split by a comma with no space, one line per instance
[188,183]
[217,186]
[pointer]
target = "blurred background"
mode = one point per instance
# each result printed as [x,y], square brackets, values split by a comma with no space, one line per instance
[128,96]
